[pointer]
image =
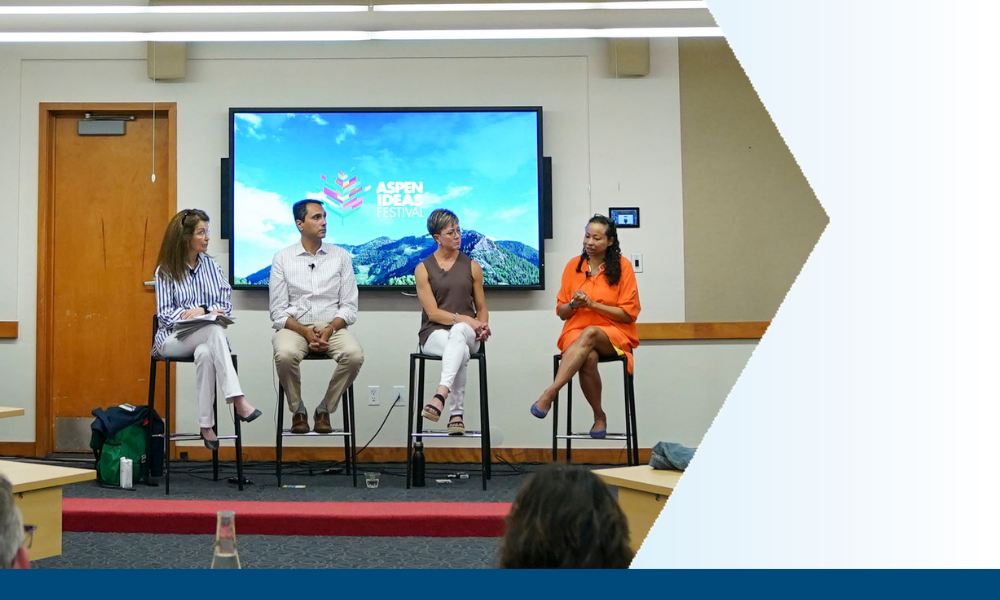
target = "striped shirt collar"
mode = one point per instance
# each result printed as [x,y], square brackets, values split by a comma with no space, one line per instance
[197,266]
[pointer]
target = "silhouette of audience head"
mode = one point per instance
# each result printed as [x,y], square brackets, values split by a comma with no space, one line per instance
[565,517]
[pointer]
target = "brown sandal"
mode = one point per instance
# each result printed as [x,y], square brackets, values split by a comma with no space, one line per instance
[431,412]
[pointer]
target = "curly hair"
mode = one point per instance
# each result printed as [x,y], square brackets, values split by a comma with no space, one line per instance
[565,517]
[612,258]
[176,240]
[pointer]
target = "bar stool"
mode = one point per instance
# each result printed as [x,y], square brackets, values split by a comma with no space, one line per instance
[631,435]
[419,434]
[350,443]
[168,437]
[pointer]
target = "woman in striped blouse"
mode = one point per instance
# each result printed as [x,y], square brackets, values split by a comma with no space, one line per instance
[189,283]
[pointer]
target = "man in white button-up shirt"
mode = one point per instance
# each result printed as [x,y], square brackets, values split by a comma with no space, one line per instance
[314,298]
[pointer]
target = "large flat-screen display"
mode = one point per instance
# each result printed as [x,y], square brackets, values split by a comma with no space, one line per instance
[380,173]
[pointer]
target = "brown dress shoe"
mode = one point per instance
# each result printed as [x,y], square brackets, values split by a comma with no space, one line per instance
[300,423]
[322,425]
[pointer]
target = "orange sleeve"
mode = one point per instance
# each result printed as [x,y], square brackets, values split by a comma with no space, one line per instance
[566,290]
[628,291]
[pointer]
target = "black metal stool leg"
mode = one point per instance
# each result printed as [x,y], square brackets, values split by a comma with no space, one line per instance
[409,424]
[150,407]
[238,431]
[239,435]
[487,431]
[279,438]
[166,426]
[555,411]
[215,428]
[484,413]
[354,439]
[635,421]
[628,413]
[569,421]
[347,427]
[238,428]
[420,399]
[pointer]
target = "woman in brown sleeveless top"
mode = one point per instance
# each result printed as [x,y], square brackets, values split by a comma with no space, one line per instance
[454,318]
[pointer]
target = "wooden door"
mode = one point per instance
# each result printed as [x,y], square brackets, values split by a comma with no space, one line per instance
[104,223]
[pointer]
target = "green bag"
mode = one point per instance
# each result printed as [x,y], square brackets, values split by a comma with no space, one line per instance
[130,442]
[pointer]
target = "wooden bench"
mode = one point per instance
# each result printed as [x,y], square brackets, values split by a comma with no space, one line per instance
[38,493]
[642,492]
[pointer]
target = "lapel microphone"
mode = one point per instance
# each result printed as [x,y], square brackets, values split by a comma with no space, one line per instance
[312,265]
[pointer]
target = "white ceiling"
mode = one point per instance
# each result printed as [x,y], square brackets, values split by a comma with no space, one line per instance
[648,19]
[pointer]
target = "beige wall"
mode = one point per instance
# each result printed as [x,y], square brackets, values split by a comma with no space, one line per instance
[735,233]
[750,217]
[613,142]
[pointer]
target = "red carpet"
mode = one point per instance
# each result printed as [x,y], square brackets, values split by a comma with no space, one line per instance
[433,519]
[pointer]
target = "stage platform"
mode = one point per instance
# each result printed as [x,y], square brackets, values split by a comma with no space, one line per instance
[325,523]
[312,501]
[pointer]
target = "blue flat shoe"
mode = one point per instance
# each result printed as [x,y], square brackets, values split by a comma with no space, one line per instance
[599,434]
[256,413]
[541,414]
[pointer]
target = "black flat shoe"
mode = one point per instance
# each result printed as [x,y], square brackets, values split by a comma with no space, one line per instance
[256,413]
[211,445]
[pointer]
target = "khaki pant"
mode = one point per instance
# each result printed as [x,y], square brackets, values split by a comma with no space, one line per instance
[289,350]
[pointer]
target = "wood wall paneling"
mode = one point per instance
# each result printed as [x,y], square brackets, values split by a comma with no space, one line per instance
[745,330]
[8,330]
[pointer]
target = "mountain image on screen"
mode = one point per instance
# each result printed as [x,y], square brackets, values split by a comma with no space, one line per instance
[379,175]
[385,261]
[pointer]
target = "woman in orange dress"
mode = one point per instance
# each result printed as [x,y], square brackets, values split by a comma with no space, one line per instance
[599,302]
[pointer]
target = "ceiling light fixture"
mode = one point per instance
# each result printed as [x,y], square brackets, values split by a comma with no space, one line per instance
[180,10]
[542,34]
[349,8]
[541,6]
[354,36]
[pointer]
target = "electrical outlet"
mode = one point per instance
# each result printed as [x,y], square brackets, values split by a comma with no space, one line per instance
[398,392]
[637,263]
[373,395]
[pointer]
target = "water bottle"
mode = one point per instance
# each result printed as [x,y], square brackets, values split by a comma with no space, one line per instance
[418,464]
[225,556]
[125,473]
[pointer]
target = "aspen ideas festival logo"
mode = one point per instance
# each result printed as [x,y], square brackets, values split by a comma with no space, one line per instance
[394,198]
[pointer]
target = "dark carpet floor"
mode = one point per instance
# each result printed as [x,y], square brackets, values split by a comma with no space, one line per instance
[311,482]
[169,551]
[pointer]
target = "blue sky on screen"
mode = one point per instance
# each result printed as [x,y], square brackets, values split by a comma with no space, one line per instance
[481,165]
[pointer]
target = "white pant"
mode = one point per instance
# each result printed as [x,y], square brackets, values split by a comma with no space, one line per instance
[212,360]
[454,346]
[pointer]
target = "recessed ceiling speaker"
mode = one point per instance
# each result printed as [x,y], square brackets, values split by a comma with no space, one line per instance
[628,57]
[166,60]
